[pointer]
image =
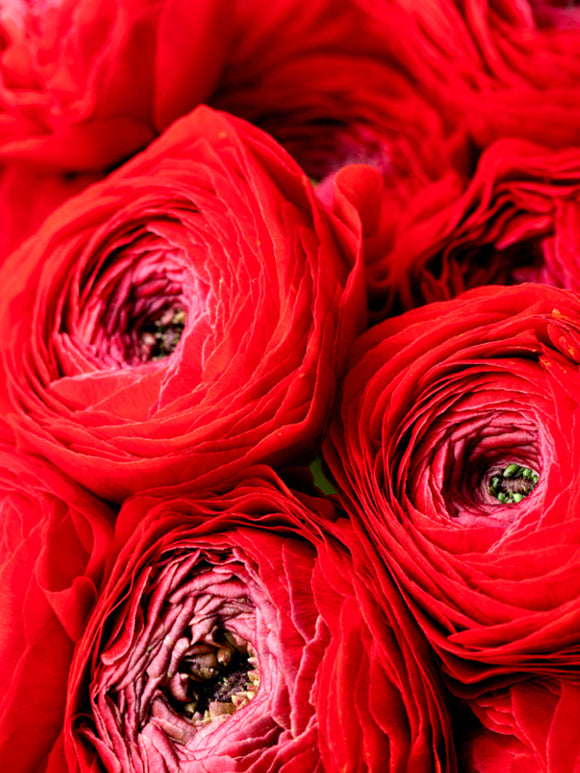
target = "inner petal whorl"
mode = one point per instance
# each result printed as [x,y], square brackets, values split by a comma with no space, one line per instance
[193,660]
[139,304]
[457,447]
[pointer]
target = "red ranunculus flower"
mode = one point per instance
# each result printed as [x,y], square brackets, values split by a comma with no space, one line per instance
[183,317]
[85,84]
[249,632]
[457,445]
[330,105]
[513,221]
[498,68]
[531,725]
[53,545]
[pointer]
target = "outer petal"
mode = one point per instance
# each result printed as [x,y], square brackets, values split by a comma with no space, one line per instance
[54,540]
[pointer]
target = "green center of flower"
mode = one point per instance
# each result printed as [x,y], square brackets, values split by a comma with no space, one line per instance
[513,483]
[159,337]
[217,679]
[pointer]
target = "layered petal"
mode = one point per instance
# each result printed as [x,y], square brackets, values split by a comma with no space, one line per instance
[527,726]
[498,68]
[515,220]
[54,539]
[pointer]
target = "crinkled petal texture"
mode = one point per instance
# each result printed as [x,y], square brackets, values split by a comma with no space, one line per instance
[184,316]
[85,84]
[457,444]
[250,632]
[54,538]
[515,220]
[531,725]
[500,68]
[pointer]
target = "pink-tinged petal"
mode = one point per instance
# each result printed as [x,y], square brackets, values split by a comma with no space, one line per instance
[251,631]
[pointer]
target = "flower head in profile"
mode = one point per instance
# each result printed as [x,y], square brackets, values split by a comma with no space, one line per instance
[511,222]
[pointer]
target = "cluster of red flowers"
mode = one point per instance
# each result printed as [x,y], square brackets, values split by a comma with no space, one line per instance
[289,386]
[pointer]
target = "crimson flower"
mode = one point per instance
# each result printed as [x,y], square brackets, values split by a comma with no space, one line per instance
[496,69]
[182,318]
[250,632]
[54,539]
[84,85]
[512,222]
[456,444]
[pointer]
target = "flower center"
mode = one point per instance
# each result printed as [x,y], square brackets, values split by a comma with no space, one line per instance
[512,483]
[215,678]
[159,337]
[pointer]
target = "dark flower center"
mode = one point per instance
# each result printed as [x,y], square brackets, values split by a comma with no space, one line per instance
[215,678]
[159,337]
[512,483]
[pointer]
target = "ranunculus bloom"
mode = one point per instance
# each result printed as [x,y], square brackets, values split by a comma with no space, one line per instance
[514,221]
[330,105]
[457,445]
[183,317]
[84,84]
[53,545]
[500,68]
[531,725]
[249,632]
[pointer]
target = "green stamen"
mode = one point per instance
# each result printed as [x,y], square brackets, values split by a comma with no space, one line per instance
[513,483]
